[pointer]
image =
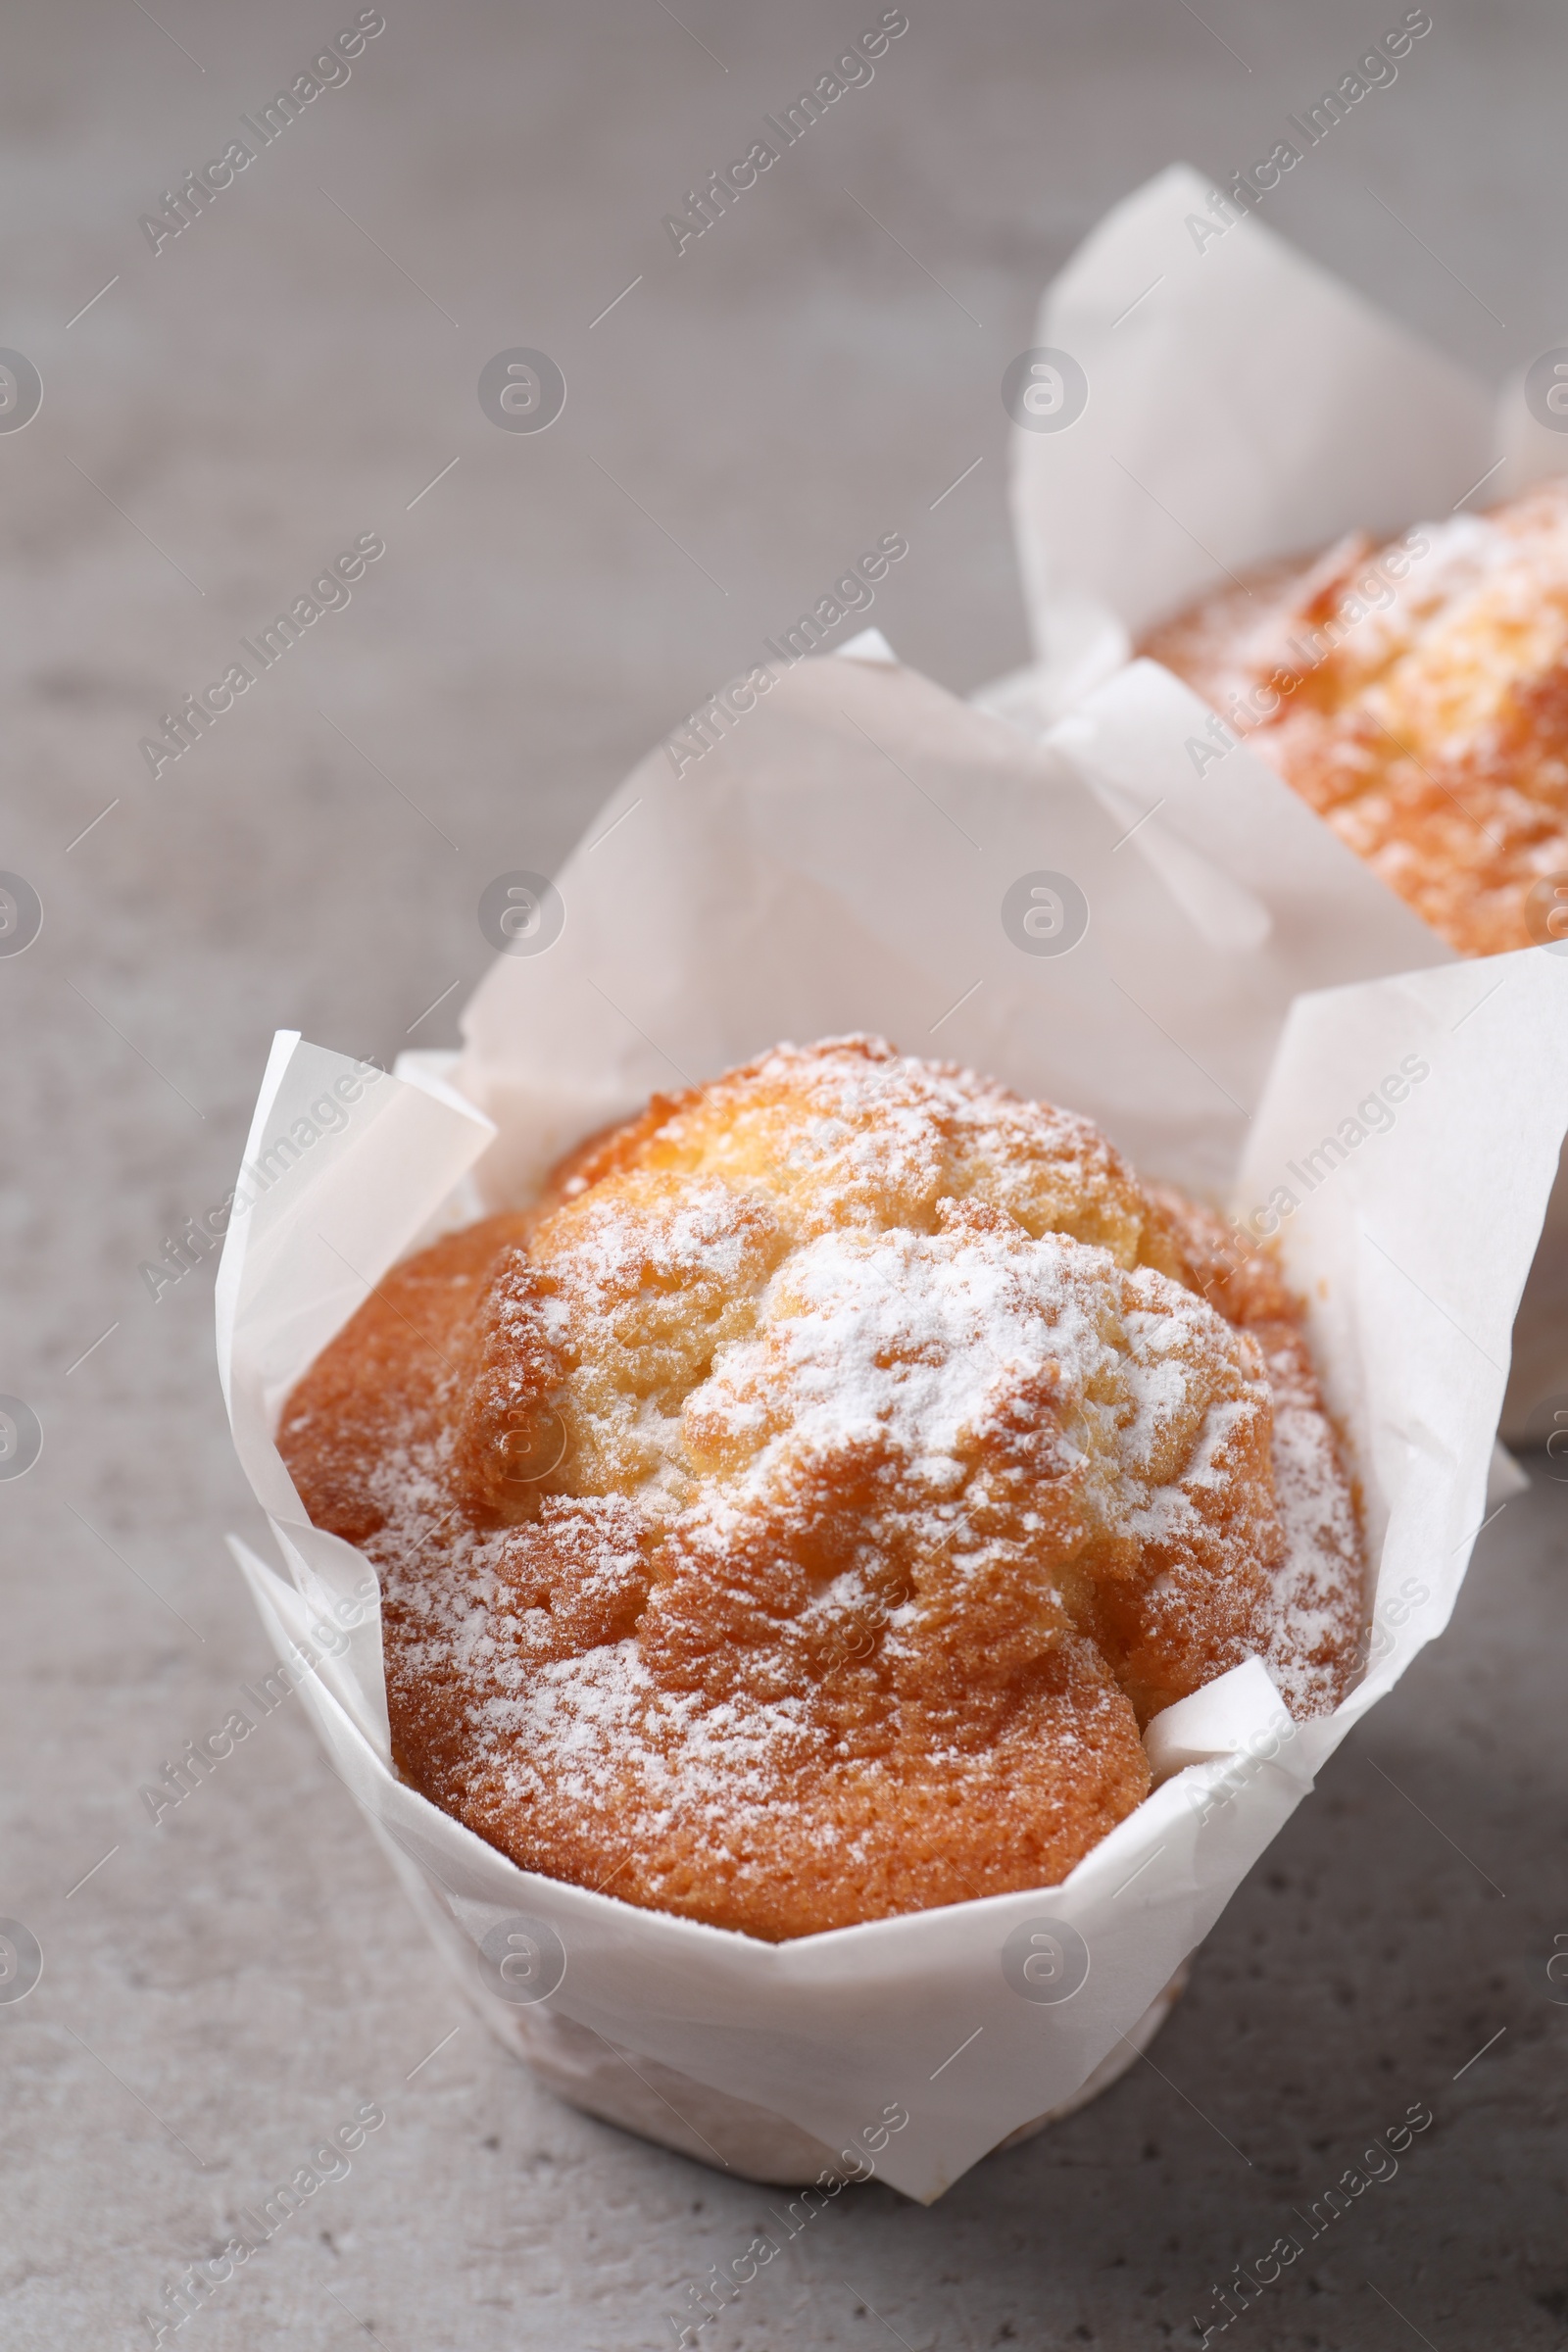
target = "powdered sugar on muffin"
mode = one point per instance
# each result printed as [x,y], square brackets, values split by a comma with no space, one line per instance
[1416,695]
[794,1517]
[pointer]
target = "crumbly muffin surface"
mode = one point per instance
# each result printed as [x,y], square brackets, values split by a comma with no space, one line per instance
[1424,715]
[793,1518]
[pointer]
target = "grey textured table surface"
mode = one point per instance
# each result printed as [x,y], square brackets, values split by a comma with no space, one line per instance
[293,369]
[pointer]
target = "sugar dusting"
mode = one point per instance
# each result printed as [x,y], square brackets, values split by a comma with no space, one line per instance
[1414,695]
[878,1471]
[1317,1588]
[904,1344]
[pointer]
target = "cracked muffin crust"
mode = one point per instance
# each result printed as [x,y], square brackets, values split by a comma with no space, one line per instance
[1416,695]
[793,1517]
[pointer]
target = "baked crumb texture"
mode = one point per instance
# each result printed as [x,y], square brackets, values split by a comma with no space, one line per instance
[1433,735]
[793,1519]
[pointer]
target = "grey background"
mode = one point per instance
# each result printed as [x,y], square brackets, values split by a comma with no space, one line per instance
[225,1990]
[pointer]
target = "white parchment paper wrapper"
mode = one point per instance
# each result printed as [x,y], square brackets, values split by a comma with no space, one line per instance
[838,863]
[1248,406]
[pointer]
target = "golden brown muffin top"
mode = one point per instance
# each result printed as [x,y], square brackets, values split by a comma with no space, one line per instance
[793,1517]
[1416,695]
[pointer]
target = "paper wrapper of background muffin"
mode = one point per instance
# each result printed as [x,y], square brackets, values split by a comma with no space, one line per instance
[1226,402]
[862,851]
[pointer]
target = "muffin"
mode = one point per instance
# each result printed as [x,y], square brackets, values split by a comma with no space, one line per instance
[793,1517]
[1416,695]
